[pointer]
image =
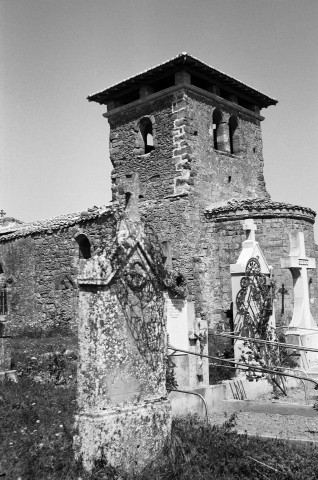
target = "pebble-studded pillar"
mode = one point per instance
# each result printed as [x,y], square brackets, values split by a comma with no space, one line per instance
[124,415]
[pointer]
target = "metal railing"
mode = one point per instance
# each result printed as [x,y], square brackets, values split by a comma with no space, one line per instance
[268,342]
[244,366]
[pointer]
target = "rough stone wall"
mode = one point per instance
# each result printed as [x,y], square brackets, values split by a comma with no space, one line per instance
[184,158]
[184,173]
[156,170]
[42,267]
[217,175]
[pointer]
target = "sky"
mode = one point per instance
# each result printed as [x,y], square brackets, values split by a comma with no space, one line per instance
[54,53]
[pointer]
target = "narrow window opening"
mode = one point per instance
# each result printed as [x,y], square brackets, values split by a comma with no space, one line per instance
[84,244]
[229,179]
[127,198]
[147,134]
[216,119]
[233,133]
[254,149]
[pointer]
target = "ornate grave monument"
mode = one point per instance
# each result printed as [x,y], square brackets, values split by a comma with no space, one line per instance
[302,329]
[124,415]
[251,292]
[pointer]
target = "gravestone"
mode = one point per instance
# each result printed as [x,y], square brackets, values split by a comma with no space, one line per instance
[124,415]
[187,332]
[177,322]
[249,276]
[302,329]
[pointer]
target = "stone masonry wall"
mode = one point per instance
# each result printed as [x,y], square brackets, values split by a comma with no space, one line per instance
[218,175]
[184,174]
[184,159]
[156,170]
[41,264]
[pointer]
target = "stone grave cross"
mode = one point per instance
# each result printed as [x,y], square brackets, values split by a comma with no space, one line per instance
[298,263]
[250,228]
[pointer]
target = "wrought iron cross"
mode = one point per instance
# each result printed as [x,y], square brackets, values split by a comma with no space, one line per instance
[283,291]
[2,213]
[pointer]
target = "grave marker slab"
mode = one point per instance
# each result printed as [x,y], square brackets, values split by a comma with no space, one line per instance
[177,323]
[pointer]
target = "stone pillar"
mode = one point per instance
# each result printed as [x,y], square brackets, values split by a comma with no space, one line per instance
[124,415]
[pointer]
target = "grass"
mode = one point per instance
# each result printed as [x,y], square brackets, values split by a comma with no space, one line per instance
[36,430]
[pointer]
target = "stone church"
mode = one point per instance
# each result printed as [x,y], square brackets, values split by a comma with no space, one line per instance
[186,145]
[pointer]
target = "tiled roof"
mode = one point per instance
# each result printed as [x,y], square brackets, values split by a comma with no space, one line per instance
[56,223]
[257,204]
[183,59]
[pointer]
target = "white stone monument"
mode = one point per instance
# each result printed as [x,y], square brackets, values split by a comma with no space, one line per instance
[252,257]
[302,329]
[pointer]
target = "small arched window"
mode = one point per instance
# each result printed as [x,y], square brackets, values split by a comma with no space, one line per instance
[216,119]
[84,244]
[234,135]
[147,134]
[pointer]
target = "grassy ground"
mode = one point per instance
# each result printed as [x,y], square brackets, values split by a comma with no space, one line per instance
[36,429]
[36,414]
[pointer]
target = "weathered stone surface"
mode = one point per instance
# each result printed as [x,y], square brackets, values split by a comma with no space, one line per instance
[41,262]
[124,414]
[127,437]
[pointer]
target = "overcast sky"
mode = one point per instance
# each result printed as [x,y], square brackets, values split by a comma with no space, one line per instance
[54,143]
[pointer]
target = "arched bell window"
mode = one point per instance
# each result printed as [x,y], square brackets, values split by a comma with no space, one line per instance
[84,250]
[146,131]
